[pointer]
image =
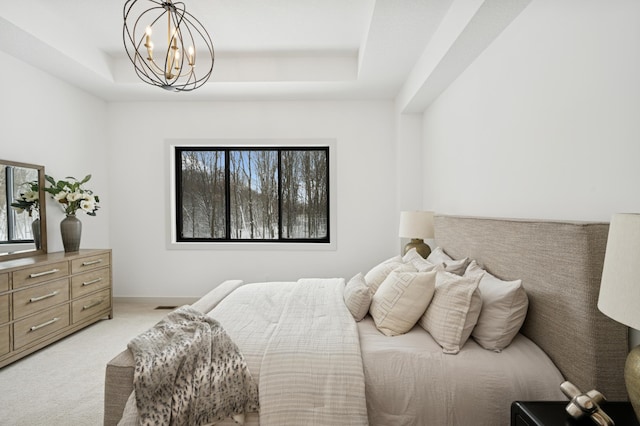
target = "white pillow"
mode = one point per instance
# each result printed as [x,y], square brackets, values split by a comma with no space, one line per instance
[357,297]
[504,309]
[457,267]
[402,299]
[378,273]
[419,262]
[453,311]
[438,255]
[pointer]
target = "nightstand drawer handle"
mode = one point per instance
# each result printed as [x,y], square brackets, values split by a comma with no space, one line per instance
[44,324]
[46,296]
[40,274]
[92,262]
[92,304]
[97,280]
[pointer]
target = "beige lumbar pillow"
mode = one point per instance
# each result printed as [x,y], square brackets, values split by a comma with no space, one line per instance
[357,297]
[401,299]
[454,310]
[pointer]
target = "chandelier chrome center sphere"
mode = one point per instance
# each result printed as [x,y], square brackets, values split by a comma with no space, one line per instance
[165,43]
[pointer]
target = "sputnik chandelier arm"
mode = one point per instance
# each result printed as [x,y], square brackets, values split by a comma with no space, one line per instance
[148,25]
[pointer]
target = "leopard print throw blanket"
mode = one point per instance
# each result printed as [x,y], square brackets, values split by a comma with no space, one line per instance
[188,371]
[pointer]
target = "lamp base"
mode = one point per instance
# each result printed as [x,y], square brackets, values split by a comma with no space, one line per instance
[418,243]
[632,378]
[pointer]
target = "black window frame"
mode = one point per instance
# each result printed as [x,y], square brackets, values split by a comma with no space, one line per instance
[178,150]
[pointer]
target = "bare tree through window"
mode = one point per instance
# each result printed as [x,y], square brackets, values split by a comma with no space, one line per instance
[252,194]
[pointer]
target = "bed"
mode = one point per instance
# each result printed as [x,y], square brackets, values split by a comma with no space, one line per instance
[408,379]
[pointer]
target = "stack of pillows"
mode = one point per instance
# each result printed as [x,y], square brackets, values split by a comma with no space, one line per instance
[451,299]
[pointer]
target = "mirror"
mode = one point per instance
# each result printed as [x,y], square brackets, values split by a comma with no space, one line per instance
[23,226]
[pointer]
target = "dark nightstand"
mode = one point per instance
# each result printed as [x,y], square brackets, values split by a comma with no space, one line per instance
[552,413]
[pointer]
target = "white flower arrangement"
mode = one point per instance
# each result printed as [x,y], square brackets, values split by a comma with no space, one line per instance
[29,200]
[72,196]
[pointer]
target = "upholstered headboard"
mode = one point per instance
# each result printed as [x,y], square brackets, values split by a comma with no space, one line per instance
[560,264]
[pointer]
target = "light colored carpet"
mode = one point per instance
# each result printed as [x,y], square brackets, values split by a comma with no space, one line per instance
[63,384]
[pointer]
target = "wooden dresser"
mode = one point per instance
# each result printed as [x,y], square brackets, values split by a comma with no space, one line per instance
[47,297]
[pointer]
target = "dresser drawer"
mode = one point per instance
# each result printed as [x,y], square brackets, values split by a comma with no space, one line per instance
[90,262]
[4,309]
[38,274]
[89,282]
[33,299]
[40,325]
[91,305]
[4,282]
[4,340]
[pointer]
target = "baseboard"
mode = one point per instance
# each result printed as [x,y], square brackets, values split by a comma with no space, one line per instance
[157,301]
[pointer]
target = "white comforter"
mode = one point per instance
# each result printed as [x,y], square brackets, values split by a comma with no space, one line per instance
[409,381]
[302,346]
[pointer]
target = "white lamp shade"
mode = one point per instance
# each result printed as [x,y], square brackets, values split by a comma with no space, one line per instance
[416,224]
[620,286]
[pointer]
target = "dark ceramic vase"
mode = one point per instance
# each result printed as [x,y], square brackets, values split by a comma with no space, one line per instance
[35,230]
[71,230]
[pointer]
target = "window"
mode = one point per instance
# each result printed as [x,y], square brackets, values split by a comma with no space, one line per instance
[235,194]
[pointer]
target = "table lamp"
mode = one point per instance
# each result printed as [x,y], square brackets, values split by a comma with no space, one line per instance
[619,297]
[417,225]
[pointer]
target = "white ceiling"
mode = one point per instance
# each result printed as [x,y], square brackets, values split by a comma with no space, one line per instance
[265,49]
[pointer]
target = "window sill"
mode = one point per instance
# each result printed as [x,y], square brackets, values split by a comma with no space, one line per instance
[174,245]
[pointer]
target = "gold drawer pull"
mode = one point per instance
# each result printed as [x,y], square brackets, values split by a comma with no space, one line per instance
[46,296]
[92,304]
[91,262]
[97,280]
[44,324]
[39,274]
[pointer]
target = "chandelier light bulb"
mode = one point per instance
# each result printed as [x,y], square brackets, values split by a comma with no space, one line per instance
[192,52]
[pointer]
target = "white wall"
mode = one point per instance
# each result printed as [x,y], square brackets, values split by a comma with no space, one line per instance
[366,202]
[546,123]
[46,121]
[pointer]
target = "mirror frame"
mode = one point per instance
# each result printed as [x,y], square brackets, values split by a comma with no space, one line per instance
[42,213]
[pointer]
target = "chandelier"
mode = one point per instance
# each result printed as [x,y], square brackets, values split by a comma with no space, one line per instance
[165,43]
